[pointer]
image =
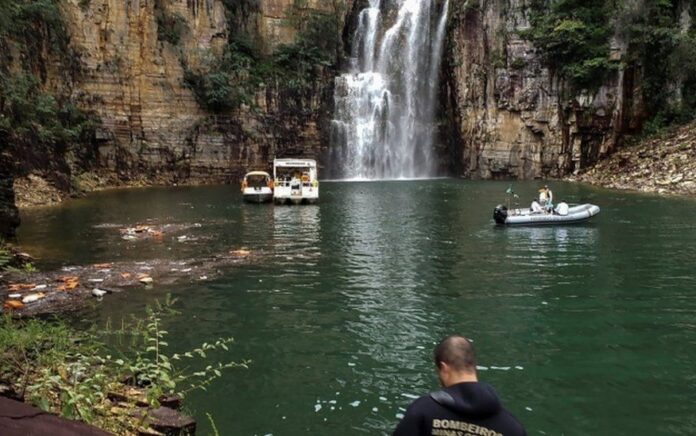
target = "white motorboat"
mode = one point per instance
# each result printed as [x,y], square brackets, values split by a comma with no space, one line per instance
[562,214]
[296,181]
[257,187]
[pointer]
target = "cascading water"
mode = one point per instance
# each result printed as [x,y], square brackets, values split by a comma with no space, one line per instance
[383,125]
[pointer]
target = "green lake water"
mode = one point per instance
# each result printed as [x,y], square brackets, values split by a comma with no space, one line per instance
[586,329]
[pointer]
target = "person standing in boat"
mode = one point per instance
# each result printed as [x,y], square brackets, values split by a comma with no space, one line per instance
[464,405]
[546,198]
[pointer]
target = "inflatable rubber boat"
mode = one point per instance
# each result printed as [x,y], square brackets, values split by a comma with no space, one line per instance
[570,214]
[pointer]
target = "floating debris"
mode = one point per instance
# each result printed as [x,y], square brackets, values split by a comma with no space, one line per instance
[68,283]
[13,304]
[102,265]
[33,297]
[70,287]
[13,287]
[99,292]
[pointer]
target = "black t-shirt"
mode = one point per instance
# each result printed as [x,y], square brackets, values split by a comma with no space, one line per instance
[465,409]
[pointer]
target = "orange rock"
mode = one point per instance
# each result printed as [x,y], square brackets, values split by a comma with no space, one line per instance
[13,304]
[14,287]
[102,265]
[126,275]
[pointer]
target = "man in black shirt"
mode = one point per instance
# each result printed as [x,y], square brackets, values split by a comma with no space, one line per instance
[464,407]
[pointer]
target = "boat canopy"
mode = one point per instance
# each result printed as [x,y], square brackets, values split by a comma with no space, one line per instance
[295,163]
[257,173]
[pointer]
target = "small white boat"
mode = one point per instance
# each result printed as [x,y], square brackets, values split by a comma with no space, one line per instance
[296,181]
[257,187]
[568,214]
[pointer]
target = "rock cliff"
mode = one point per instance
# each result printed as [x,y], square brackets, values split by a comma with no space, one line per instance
[126,62]
[153,129]
[509,116]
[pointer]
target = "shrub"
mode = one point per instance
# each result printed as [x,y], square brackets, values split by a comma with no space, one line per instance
[573,36]
[71,372]
[170,27]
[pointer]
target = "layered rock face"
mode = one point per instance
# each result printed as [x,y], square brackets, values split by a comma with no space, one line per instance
[153,129]
[509,116]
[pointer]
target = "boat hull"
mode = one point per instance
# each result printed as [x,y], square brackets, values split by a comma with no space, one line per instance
[257,197]
[524,217]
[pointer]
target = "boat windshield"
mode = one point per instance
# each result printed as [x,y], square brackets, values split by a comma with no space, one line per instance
[256,181]
[287,176]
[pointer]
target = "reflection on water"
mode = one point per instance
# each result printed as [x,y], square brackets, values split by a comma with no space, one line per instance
[344,300]
[384,252]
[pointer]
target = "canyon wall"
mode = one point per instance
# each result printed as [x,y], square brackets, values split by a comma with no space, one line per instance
[153,129]
[507,115]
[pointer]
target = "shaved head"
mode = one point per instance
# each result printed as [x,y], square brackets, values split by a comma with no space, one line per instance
[457,352]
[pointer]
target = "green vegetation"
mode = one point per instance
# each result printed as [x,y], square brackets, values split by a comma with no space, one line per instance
[170,26]
[574,38]
[30,24]
[74,373]
[9,262]
[29,113]
[667,54]
[5,256]
[227,81]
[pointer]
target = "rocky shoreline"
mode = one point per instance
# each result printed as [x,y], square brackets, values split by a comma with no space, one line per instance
[662,164]
[36,190]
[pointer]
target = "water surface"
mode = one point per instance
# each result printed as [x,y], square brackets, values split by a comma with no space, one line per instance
[587,329]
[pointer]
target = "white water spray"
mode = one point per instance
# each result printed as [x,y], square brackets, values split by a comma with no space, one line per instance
[383,123]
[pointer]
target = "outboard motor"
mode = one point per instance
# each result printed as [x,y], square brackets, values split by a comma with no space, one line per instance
[500,214]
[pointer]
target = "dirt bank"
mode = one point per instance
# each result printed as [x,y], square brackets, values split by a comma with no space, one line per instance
[664,164]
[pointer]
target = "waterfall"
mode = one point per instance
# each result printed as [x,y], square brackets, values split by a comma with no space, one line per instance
[383,126]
